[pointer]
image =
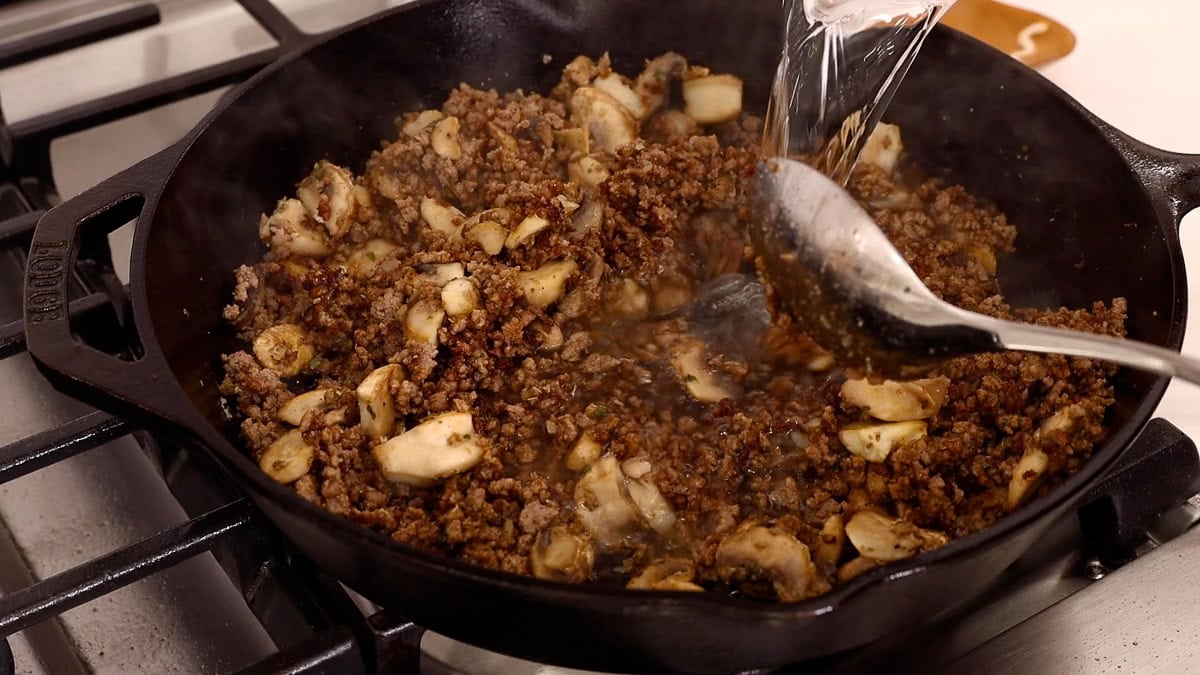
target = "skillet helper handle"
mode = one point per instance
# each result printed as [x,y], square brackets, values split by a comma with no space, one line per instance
[123,387]
[1174,176]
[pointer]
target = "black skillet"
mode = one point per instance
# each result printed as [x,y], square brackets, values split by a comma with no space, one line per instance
[1097,213]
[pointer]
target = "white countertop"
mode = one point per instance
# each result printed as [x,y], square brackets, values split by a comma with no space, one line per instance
[1135,65]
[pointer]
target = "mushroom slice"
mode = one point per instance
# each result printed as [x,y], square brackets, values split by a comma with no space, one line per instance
[439,447]
[441,217]
[284,348]
[287,459]
[585,451]
[860,565]
[883,147]
[548,334]
[298,406]
[885,538]
[607,121]
[376,405]
[503,138]
[587,171]
[874,442]
[629,299]
[441,274]
[713,98]
[545,285]
[526,230]
[703,384]
[329,196]
[588,217]
[614,86]
[603,504]
[767,553]
[579,71]
[573,139]
[287,231]
[363,262]
[1027,476]
[897,401]
[562,555]
[423,321]
[444,138]
[422,121]
[655,509]
[831,540]
[489,235]
[460,297]
[653,84]
[672,574]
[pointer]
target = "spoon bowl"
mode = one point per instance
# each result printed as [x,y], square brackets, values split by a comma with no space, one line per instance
[828,263]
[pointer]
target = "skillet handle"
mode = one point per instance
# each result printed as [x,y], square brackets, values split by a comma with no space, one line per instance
[1172,177]
[134,389]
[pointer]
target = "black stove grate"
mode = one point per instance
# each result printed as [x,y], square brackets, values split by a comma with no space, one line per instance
[309,615]
[316,623]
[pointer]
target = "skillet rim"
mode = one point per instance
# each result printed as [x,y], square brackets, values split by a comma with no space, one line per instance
[211,440]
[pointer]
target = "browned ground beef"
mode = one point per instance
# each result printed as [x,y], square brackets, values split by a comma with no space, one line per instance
[746,477]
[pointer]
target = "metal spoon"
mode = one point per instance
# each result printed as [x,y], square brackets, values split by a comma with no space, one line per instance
[833,268]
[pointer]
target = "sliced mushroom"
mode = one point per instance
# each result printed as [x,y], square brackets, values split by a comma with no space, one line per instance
[984,255]
[1027,476]
[579,71]
[363,262]
[441,274]
[1062,421]
[712,99]
[897,401]
[874,442]
[545,285]
[758,552]
[329,196]
[573,139]
[588,172]
[422,121]
[889,539]
[441,217]
[488,234]
[284,348]
[562,555]
[503,138]
[288,231]
[423,321]
[589,217]
[655,509]
[585,451]
[376,405]
[614,86]
[883,147]
[703,384]
[629,299]
[603,504]
[297,407]
[831,541]
[526,230]
[853,568]
[444,138]
[460,297]
[287,459]
[672,574]
[439,447]
[607,121]
[653,84]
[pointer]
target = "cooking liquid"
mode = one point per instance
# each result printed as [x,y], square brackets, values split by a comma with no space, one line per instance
[841,63]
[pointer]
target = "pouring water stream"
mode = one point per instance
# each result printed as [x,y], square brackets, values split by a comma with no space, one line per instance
[828,261]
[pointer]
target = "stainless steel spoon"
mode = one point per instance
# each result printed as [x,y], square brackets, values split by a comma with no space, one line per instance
[832,267]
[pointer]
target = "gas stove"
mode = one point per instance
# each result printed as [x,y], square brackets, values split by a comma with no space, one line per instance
[121,552]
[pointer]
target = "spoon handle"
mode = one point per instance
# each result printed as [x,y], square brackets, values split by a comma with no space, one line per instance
[1050,340]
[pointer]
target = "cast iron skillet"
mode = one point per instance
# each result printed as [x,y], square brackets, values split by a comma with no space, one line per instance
[1097,213]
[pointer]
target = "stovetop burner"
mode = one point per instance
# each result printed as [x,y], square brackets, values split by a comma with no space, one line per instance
[311,623]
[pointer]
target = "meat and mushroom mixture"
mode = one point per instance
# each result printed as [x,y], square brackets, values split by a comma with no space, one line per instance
[530,336]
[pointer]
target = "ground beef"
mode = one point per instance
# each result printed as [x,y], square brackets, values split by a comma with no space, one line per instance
[601,452]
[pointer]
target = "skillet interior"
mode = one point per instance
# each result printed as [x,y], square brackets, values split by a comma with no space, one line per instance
[967,112]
